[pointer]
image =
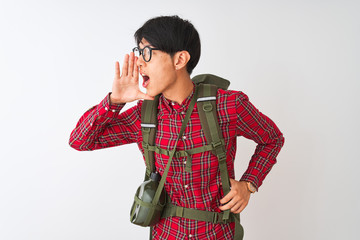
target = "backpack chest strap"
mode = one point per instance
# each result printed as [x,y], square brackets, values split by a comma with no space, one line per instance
[182,153]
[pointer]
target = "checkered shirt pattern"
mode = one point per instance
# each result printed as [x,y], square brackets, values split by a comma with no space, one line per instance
[104,125]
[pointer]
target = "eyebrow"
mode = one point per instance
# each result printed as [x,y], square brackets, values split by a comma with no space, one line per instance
[144,45]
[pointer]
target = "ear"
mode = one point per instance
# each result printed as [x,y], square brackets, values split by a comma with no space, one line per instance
[181,58]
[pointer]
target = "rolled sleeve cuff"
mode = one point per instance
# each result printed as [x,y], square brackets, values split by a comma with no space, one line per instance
[107,110]
[252,179]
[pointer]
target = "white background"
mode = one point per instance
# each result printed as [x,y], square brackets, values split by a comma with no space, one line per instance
[298,61]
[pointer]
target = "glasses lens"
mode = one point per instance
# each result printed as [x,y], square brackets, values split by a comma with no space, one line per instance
[147,54]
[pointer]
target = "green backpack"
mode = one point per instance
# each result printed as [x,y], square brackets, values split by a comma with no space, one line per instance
[205,96]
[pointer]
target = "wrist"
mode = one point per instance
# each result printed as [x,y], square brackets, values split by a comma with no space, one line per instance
[251,188]
[115,100]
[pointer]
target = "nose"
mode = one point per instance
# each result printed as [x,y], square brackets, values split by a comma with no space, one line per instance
[140,61]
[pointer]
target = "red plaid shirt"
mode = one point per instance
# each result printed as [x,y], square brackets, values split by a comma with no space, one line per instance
[104,126]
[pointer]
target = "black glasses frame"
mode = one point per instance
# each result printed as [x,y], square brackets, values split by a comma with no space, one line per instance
[141,51]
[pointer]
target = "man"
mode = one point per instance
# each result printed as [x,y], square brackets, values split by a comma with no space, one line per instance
[168,50]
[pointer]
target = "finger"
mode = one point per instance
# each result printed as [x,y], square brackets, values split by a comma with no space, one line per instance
[242,207]
[125,65]
[227,197]
[117,69]
[136,68]
[229,205]
[236,207]
[131,64]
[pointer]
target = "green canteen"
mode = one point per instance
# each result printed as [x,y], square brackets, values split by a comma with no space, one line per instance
[143,211]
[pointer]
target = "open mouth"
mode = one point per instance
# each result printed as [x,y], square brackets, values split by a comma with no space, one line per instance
[146,80]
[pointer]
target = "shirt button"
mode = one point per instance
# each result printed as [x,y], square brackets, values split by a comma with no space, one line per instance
[183,112]
[190,235]
[106,108]
[90,124]
[184,137]
[172,103]
[185,162]
[113,110]
[186,186]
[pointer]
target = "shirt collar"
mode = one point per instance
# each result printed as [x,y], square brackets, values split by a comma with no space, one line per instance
[174,106]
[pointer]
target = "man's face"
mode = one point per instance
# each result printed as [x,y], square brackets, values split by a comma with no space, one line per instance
[159,73]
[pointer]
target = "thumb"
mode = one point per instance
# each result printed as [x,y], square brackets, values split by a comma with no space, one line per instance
[148,97]
[144,96]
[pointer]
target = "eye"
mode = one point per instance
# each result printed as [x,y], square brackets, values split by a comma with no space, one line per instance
[146,50]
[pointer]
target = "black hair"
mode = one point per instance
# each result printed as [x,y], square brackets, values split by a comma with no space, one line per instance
[171,34]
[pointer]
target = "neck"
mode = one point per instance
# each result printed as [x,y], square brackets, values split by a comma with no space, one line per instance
[180,90]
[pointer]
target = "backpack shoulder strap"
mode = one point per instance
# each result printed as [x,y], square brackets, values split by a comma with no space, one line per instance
[209,122]
[207,112]
[148,129]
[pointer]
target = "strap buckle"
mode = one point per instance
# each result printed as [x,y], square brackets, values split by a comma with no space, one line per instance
[215,218]
[207,107]
[216,144]
[145,129]
[222,157]
[218,218]
[179,211]
[224,221]
[145,145]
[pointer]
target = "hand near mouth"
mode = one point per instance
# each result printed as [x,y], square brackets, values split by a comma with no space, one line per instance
[126,86]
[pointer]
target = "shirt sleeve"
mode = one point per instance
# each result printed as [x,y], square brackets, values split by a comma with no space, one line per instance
[254,125]
[103,126]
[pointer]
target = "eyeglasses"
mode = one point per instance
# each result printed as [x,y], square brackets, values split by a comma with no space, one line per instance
[146,52]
